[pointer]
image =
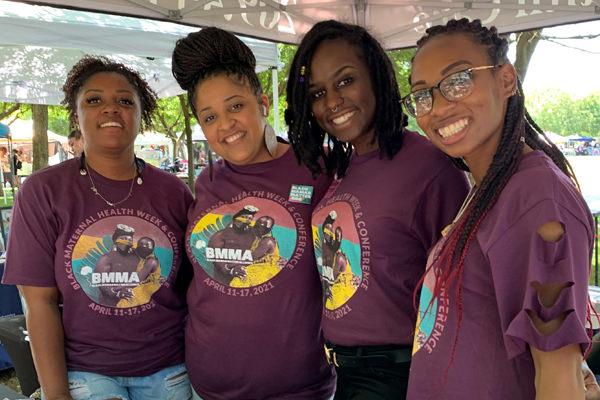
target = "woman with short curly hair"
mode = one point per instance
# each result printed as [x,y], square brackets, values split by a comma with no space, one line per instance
[97,248]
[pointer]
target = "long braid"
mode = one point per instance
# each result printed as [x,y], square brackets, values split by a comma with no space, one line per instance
[306,136]
[518,129]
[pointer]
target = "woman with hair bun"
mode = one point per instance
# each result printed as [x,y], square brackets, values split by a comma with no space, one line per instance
[254,327]
[506,289]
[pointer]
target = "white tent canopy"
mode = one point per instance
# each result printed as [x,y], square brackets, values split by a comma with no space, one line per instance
[396,23]
[22,131]
[39,45]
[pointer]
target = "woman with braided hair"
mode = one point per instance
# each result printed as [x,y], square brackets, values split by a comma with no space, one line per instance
[506,289]
[393,194]
[254,326]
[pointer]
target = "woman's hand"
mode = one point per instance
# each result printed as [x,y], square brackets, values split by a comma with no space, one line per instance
[592,390]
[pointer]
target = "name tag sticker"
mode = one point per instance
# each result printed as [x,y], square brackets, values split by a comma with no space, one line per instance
[301,194]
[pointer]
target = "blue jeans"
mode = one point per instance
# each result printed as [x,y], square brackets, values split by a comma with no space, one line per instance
[171,383]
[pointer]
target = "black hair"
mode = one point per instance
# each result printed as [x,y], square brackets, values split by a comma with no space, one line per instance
[518,129]
[306,136]
[75,134]
[91,65]
[209,52]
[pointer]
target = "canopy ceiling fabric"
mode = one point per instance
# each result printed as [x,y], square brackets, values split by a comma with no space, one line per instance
[396,23]
[39,45]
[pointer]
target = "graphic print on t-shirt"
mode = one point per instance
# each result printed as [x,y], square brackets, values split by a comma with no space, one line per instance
[431,318]
[245,244]
[121,261]
[338,253]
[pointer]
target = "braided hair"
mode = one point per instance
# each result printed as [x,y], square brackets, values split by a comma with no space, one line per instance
[518,129]
[212,51]
[89,66]
[306,136]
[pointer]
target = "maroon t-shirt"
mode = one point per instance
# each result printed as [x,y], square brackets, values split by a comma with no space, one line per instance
[372,232]
[492,358]
[119,318]
[254,329]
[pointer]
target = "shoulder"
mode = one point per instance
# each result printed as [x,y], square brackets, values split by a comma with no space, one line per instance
[421,153]
[48,177]
[423,159]
[157,175]
[537,193]
[538,179]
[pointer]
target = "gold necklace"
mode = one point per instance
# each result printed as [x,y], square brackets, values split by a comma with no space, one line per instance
[96,192]
[462,209]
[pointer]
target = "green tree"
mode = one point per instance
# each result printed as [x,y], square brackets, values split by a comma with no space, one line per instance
[565,114]
[286,55]
[58,120]
[170,120]
[10,110]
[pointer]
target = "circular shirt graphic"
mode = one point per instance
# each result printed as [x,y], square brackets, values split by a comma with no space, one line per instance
[245,243]
[337,249]
[427,317]
[121,261]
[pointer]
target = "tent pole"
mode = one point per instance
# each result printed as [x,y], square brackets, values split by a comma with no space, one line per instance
[275,106]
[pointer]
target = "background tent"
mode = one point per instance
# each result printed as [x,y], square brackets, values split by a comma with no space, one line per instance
[397,23]
[39,45]
[22,139]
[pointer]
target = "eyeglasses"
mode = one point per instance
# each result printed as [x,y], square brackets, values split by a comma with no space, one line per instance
[453,88]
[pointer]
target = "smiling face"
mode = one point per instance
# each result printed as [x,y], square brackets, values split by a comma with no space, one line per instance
[232,119]
[341,93]
[471,127]
[108,113]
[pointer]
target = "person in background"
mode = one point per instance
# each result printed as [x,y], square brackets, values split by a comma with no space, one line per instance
[251,334]
[6,160]
[506,289]
[84,346]
[393,195]
[17,164]
[75,143]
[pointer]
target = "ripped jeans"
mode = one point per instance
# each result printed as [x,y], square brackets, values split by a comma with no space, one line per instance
[171,383]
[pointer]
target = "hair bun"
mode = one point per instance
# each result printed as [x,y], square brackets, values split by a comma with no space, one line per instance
[209,51]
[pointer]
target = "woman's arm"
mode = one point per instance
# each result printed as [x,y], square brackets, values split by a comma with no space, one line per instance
[558,373]
[47,340]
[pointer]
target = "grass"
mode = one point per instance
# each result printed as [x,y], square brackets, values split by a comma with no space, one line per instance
[9,197]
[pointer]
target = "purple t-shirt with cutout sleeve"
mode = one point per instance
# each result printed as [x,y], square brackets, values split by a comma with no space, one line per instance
[372,232]
[492,358]
[254,329]
[115,267]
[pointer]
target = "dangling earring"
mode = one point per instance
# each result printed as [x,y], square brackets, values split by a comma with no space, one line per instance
[210,166]
[270,139]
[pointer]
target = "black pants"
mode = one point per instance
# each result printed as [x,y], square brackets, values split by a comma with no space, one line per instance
[372,383]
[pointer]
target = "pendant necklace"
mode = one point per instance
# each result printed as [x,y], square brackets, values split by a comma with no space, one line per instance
[85,171]
[463,208]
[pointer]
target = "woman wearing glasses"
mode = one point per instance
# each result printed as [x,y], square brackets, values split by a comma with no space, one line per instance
[506,288]
[393,194]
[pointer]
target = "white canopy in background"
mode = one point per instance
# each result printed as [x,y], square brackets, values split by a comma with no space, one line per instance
[39,45]
[22,131]
[396,23]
